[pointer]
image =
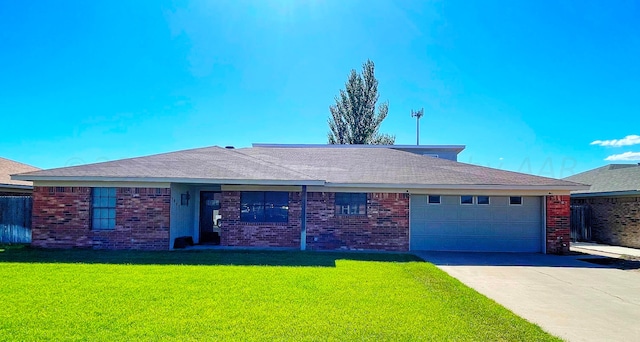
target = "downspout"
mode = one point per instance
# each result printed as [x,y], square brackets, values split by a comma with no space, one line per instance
[544,224]
[303,220]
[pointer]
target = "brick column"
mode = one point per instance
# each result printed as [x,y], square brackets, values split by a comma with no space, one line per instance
[558,224]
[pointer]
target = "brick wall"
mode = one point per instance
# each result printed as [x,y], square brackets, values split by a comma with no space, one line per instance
[258,234]
[62,219]
[384,227]
[615,220]
[558,224]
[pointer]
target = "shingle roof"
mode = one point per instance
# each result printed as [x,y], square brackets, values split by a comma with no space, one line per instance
[345,166]
[609,178]
[388,166]
[9,167]
[202,163]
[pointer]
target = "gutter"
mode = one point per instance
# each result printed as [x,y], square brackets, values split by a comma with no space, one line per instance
[459,186]
[606,194]
[169,180]
[16,186]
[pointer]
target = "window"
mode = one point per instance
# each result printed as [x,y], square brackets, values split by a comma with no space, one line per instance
[264,206]
[351,204]
[433,199]
[483,200]
[466,199]
[103,208]
[515,200]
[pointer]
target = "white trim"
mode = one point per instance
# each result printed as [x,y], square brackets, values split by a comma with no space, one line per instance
[286,188]
[104,184]
[442,192]
[314,185]
[409,220]
[473,200]
[432,187]
[488,200]
[434,203]
[515,205]
[410,147]
[170,180]
[16,186]
[606,194]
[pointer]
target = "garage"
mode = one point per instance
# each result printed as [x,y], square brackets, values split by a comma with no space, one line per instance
[476,223]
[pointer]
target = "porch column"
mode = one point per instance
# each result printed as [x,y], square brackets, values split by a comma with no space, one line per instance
[303,220]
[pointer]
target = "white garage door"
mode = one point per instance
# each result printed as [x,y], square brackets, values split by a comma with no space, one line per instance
[496,227]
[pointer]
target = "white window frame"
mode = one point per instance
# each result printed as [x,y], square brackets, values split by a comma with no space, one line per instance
[488,200]
[517,204]
[434,203]
[473,200]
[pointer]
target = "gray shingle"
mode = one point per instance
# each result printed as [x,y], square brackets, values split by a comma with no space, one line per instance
[609,178]
[338,166]
[9,167]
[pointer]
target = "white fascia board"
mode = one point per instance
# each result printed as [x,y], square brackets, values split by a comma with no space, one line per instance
[606,194]
[459,186]
[417,147]
[169,180]
[16,186]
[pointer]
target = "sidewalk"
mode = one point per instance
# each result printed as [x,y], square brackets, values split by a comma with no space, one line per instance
[604,250]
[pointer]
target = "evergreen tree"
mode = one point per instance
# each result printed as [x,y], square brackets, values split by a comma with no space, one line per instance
[353,118]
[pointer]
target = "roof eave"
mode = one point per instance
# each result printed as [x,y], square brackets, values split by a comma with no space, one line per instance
[461,186]
[16,186]
[168,180]
[606,194]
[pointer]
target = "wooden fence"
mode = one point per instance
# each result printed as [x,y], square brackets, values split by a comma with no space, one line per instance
[580,223]
[15,219]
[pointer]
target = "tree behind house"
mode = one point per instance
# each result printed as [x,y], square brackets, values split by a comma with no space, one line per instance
[353,118]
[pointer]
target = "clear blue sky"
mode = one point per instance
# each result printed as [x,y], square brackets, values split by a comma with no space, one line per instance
[527,86]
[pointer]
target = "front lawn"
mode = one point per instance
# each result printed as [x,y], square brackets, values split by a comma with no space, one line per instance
[242,295]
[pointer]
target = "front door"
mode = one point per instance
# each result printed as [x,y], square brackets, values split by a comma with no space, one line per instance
[209,216]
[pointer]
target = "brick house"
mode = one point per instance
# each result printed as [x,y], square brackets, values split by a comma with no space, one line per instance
[316,197]
[613,198]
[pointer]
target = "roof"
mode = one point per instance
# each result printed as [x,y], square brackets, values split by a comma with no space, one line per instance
[9,167]
[409,148]
[354,166]
[613,178]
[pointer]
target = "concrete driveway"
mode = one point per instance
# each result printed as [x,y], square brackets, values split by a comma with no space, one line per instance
[569,298]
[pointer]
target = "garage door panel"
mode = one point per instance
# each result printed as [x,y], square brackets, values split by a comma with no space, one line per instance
[494,227]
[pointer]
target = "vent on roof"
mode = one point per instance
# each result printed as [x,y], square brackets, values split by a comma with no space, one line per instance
[229,147]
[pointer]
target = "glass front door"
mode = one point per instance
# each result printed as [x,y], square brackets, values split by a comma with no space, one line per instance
[210,217]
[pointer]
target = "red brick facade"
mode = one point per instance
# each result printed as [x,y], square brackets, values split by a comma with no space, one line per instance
[614,220]
[384,227]
[234,232]
[558,224]
[62,219]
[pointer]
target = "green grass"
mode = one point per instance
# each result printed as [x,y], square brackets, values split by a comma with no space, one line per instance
[242,295]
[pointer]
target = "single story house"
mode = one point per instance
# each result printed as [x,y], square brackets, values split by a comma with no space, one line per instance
[12,187]
[613,198]
[317,197]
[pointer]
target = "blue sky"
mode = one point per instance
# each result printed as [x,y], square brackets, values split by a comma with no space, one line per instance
[544,87]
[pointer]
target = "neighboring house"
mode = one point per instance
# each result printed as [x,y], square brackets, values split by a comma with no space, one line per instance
[614,200]
[11,187]
[318,197]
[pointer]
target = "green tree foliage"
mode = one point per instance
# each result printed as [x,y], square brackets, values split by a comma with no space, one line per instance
[353,118]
